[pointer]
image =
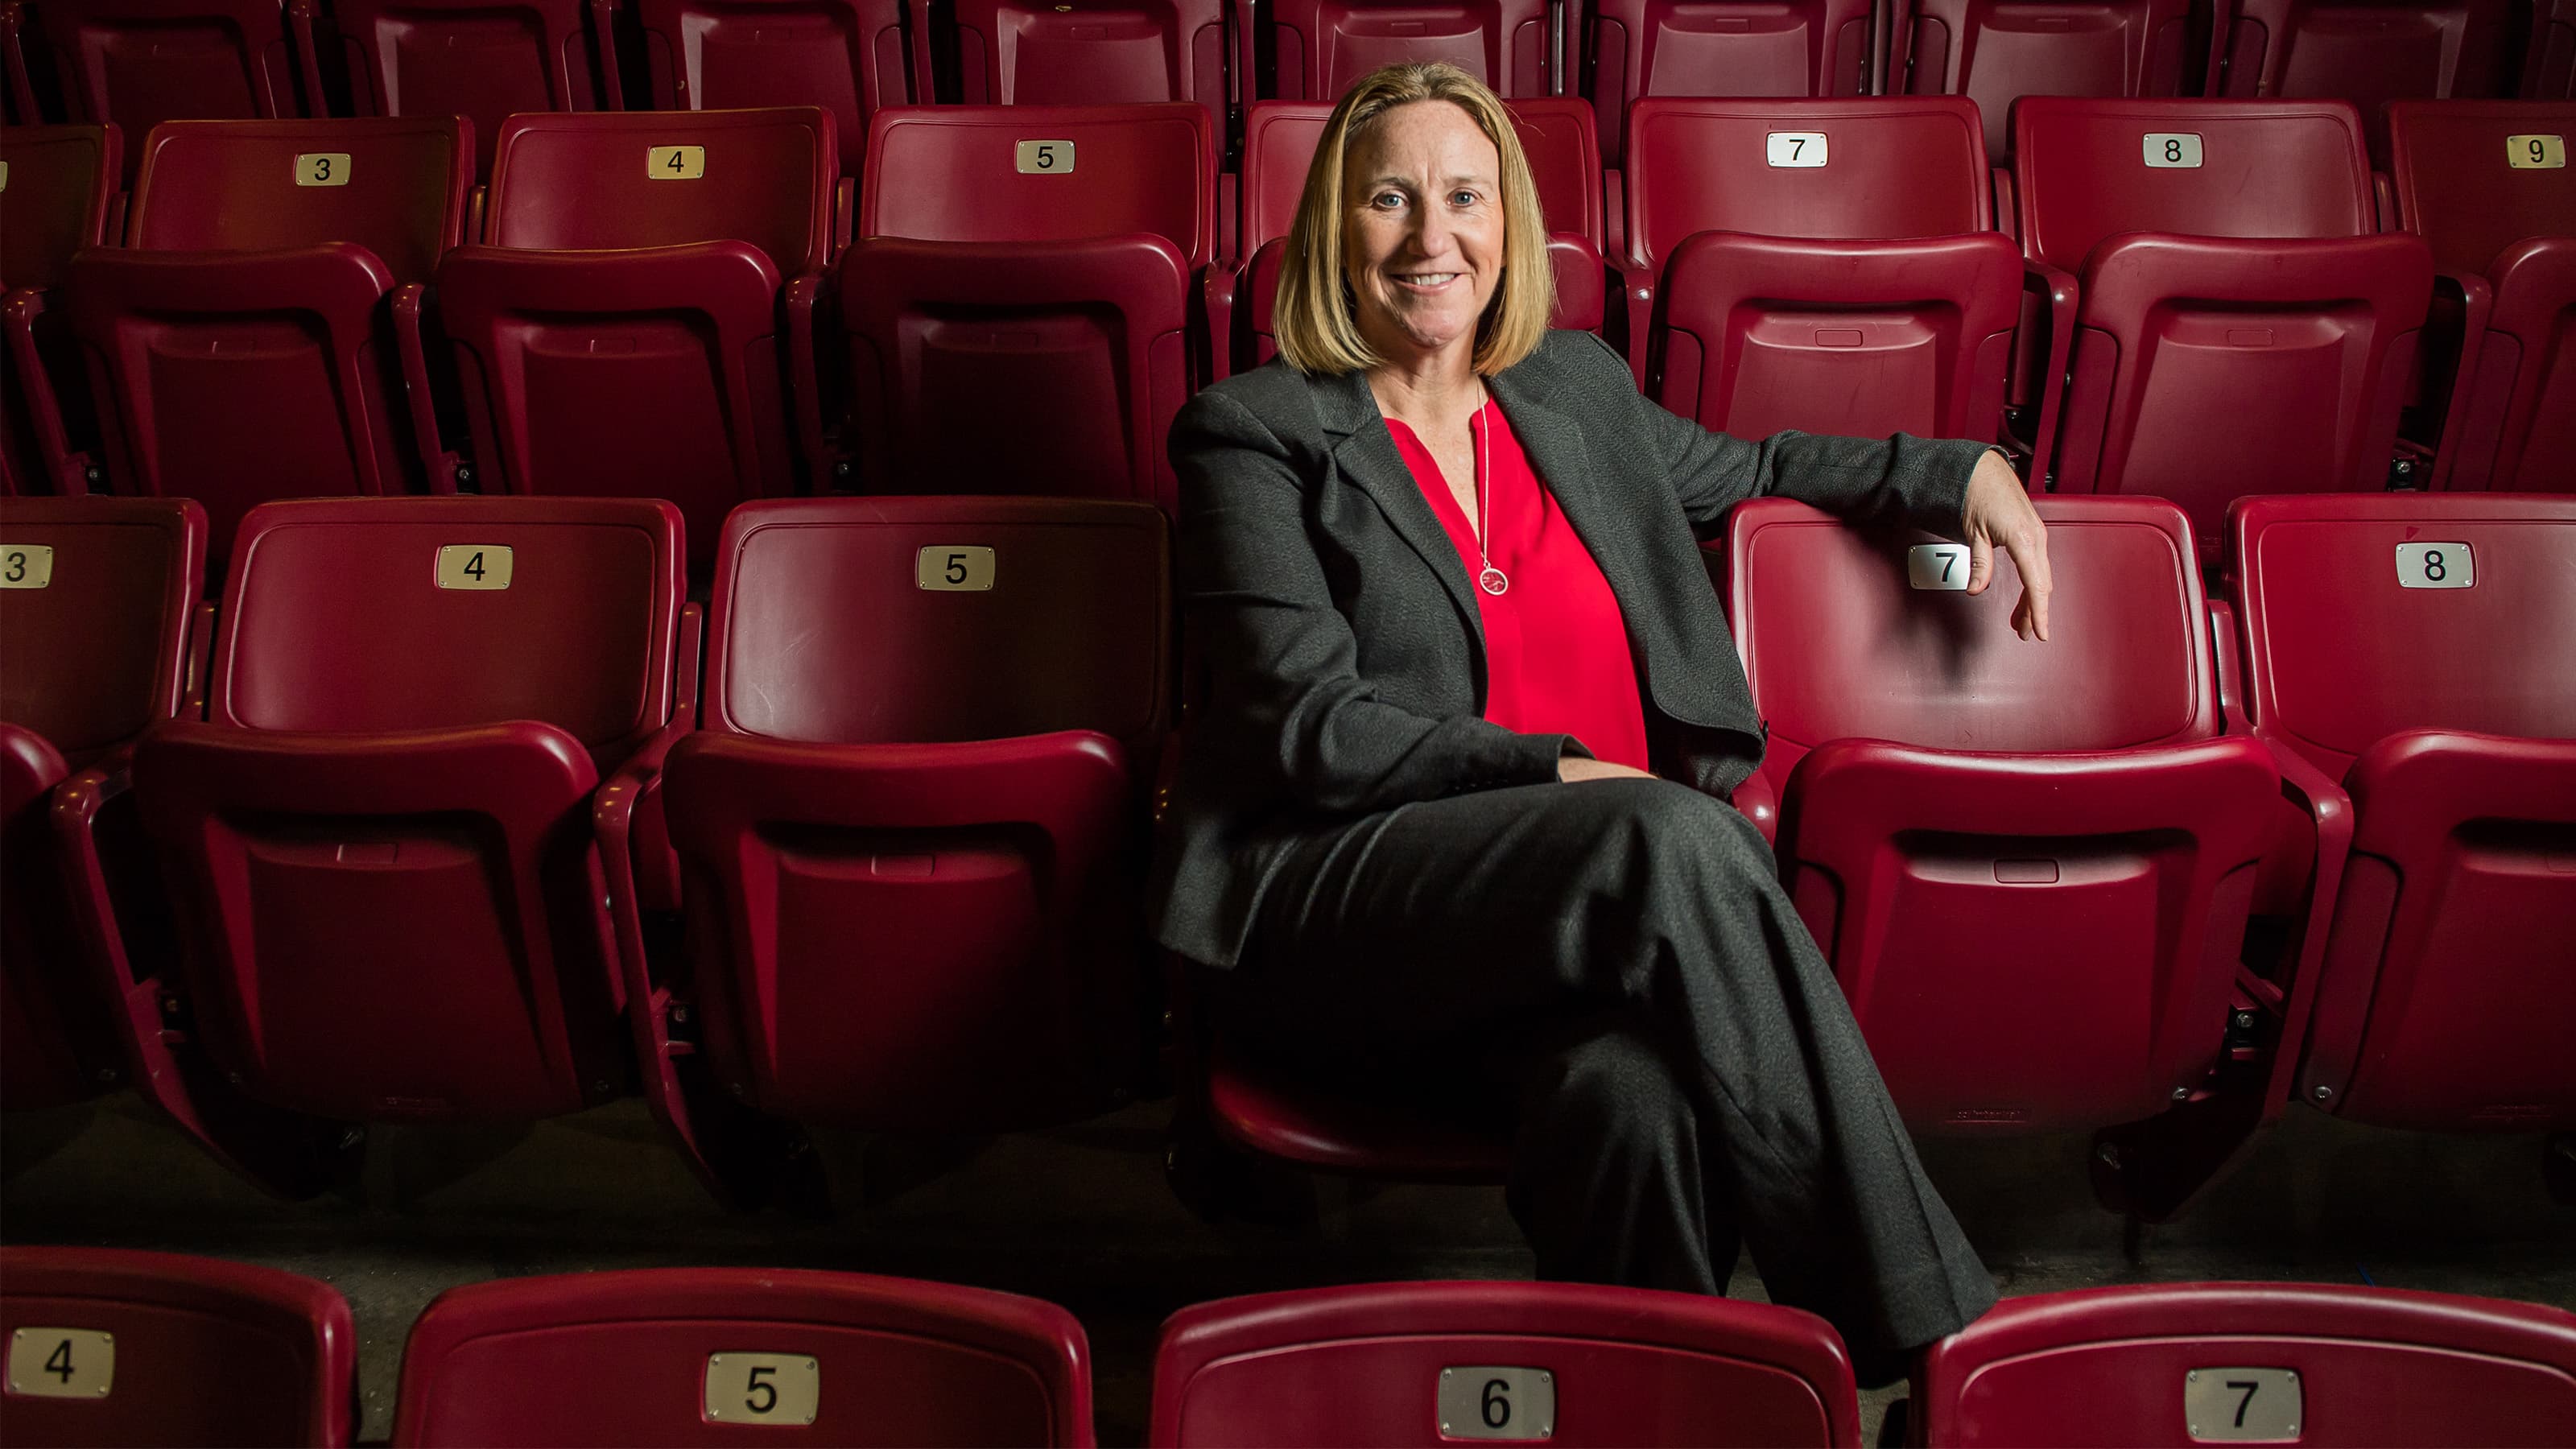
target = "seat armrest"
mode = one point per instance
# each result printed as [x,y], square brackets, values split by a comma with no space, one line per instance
[808,301]
[2064,295]
[68,471]
[2226,668]
[1637,289]
[603,33]
[201,659]
[438,462]
[1758,799]
[308,60]
[1218,292]
[2477,304]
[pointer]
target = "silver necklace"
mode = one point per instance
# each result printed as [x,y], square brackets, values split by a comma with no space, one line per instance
[1491,579]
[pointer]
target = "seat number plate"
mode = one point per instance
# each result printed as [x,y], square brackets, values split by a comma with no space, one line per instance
[1497,1403]
[2535,153]
[1937,566]
[322,168]
[749,1387]
[675,163]
[1044,158]
[2240,1405]
[1794,148]
[2436,566]
[2170,149]
[474,566]
[61,1363]
[954,568]
[26,566]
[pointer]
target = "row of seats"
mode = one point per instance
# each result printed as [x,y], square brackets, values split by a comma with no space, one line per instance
[679,307]
[427,789]
[126,1348]
[137,63]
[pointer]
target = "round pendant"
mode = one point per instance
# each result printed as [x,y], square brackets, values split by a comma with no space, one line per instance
[1492,580]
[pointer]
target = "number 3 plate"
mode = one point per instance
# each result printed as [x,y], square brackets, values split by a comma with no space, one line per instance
[2235,1405]
[762,1388]
[1497,1403]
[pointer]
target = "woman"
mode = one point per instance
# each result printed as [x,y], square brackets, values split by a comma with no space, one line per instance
[1439,564]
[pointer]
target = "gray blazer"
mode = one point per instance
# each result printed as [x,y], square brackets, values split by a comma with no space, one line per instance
[1343,657]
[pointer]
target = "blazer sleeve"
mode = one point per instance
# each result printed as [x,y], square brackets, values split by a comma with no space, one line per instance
[1921,482]
[1281,659]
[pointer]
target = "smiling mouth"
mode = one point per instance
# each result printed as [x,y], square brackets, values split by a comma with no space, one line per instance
[1427,281]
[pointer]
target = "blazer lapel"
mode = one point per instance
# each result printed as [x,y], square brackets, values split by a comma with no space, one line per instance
[1366,454]
[1555,445]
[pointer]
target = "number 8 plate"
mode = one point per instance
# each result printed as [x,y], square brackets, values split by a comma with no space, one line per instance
[749,1387]
[1497,1403]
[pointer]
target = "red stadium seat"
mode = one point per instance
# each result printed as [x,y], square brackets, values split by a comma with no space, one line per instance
[1042,257]
[1280,139]
[260,336]
[2549,59]
[100,593]
[62,181]
[2408,658]
[2368,52]
[848,56]
[1994,52]
[620,333]
[137,63]
[1559,1363]
[1825,265]
[978,827]
[2198,1363]
[2475,180]
[696,1355]
[108,1346]
[1640,48]
[2233,321]
[481,59]
[1128,52]
[1321,47]
[2030,866]
[379,843]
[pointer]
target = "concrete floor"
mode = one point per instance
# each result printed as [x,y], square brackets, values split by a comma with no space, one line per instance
[1082,1216]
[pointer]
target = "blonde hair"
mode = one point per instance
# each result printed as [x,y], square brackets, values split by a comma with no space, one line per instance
[1314,318]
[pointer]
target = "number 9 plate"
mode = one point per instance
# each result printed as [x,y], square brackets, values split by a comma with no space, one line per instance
[1497,1403]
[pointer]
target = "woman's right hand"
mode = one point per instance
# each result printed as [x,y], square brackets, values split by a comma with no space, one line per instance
[1576,767]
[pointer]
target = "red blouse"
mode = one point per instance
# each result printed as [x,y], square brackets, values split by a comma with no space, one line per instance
[1556,650]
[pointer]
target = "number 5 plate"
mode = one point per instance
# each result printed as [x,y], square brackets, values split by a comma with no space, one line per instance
[762,1388]
[2237,1405]
[1497,1403]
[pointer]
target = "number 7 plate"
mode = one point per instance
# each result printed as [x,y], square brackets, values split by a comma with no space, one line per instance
[2240,1405]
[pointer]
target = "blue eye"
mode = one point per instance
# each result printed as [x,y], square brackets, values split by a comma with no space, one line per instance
[1462,198]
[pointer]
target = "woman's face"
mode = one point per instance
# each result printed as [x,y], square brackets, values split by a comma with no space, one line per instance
[1422,232]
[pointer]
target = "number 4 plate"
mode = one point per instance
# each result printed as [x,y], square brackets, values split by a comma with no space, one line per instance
[762,1388]
[2236,1405]
[61,1363]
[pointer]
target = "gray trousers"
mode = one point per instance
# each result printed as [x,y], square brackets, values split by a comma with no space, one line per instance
[1616,962]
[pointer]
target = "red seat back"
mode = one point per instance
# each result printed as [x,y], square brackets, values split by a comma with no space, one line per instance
[363,615]
[1644,48]
[396,187]
[954,174]
[1322,47]
[1398,1363]
[847,56]
[1556,135]
[1025,53]
[2549,60]
[2268,169]
[481,59]
[609,181]
[659,1355]
[61,179]
[1994,52]
[137,63]
[1892,169]
[2470,194]
[2369,52]
[98,651]
[2328,1366]
[202,1351]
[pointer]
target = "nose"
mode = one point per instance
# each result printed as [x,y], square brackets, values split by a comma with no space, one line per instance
[1430,231]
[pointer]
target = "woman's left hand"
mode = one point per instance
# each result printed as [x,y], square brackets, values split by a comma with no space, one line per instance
[1999,514]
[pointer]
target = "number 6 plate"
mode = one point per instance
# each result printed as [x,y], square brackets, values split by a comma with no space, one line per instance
[2235,1405]
[1497,1403]
[748,1387]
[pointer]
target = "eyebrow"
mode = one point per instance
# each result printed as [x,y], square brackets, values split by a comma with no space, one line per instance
[1460,179]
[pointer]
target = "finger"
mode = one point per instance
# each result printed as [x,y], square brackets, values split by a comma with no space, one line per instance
[1981,562]
[2029,550]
